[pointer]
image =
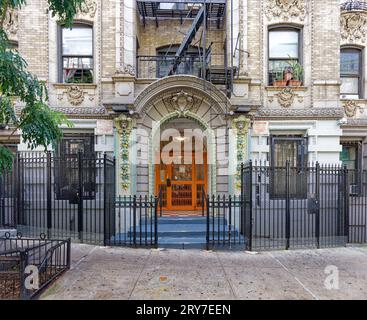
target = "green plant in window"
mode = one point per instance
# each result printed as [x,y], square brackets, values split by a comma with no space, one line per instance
[297,69]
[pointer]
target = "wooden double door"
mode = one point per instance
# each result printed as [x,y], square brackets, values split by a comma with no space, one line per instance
[181,185]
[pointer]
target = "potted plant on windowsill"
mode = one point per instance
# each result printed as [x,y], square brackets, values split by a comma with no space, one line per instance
[279,80]
[297,74]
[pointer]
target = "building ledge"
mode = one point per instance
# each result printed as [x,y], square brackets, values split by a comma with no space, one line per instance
[68,85]
[276,88]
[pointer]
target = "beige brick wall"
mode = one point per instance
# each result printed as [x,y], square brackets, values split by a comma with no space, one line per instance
[33,36]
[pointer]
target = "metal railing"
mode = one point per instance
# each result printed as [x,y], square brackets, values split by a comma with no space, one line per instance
[152,67]
[44,260]
[354,5]
[134,223]
[225,222]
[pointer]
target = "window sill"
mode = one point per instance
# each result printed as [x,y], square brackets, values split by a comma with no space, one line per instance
[81,85]
[277,88]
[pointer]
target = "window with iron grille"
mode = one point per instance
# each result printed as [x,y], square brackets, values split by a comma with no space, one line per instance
[77,54]
[291,149]
[75,167]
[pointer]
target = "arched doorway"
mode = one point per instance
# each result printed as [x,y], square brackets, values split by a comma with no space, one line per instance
[181,165]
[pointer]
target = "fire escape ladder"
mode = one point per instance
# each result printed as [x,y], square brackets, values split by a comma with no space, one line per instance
[190,35]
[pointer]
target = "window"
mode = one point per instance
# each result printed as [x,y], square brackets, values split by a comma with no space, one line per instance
[351,73]
[190,64]
[77,54]
[351,157]
[284,48]
[294,150]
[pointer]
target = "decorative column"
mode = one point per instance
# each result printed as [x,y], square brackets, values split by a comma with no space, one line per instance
[124,126]
[241,127]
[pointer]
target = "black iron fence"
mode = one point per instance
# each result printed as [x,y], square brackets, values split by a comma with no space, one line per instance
[294,207]
[42,260]
[225,220]
[357,205]
[8,199]
[134,223]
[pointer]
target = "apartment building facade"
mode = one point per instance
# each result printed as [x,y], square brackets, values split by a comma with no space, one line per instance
[265,80]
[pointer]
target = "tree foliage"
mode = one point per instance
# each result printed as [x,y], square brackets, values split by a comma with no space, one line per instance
[38,123]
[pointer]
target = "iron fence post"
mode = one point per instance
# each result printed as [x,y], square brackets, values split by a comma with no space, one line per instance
[287,206]
[250,204]
[68,254]
[346,210]
[80,197]
[156,223]
[207,221]
[317,222]
[48,197]
[23,255]
[19,200]
[105,218]
[134,220]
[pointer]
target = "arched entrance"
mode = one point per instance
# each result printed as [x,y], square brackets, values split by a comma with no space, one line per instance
[181,166]
[181,102]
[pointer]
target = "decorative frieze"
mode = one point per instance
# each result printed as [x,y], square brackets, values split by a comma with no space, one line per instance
[336,113]
[241,126]
[124,127]
[285,10]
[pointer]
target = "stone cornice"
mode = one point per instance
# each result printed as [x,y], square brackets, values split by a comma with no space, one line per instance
[312,113]
[275,88]
[80,85]
[355,123]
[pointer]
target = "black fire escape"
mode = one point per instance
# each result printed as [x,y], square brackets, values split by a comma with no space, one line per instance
[203,16]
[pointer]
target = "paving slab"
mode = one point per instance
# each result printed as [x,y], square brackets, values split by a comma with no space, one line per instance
[100,273]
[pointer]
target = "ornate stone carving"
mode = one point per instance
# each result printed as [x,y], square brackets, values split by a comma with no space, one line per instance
[182,102]
[350,108]
[285,9]
[286,97]
[124,127]
[241,126]
[89,7]
[11,22]
[155,90]
[75,95]
[354,27]
[127,69]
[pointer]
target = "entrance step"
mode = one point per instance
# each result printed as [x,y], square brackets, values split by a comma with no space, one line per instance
[183,220]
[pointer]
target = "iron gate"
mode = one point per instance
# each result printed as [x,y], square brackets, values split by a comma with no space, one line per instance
[65,196]
[295,207]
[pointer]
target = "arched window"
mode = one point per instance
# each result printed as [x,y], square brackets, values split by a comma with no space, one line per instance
[284,51]
[77,54]
[351,73]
